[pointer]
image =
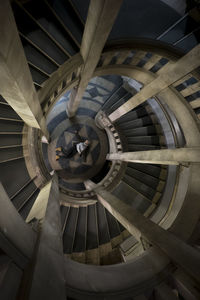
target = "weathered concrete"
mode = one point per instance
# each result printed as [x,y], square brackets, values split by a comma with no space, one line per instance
[62,74]
[38,209]
[17,239]
[48,272]
[16,82]
[168,76]
[163,156]
[115,281]
[100,19]
[187,257]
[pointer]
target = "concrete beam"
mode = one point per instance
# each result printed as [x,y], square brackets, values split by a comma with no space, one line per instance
[38,209]
[47,279]
[17,239]
[168,76]
[182,254]
[16,82]
[163,156]
[100,19]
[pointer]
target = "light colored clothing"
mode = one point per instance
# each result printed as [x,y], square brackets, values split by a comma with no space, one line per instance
[80,147]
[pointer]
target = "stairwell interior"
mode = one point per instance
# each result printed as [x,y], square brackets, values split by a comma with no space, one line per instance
[124,223]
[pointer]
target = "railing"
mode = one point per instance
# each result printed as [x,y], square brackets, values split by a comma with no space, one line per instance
[150,60]
[62,80]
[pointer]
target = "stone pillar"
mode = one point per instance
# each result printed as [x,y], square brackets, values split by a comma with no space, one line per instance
[100,19]
[168,75]
[16,82]
[47,280]
[178,251]
[163,157]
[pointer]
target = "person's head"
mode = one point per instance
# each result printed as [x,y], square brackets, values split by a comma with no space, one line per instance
[87,142]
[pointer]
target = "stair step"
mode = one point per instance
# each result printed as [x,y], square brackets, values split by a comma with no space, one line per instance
[10,126]
[132,115]
[64,211]
[80,236]
[70,229]
[10,153]
[113,226]
[118,94]
[147,169]
[137,123]
[37,76]
[118,103]
[38,59]
[104,235]
[6,111]
[132,147]
[142,177]
[25,209]
[92,230]
[131,197]
[141,131]
[47,19]
[23,194]
[140,187]
[144,140]
[69,19]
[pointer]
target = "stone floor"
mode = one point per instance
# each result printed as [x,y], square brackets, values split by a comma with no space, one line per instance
[75,168]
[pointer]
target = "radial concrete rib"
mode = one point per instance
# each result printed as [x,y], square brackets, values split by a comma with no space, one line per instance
[16,83]
[185,256]
[48,269]
[163,156]
[100,19]
[168,76]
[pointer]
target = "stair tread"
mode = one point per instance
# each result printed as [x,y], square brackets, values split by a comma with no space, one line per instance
[112,225]
[153,170]
[80,236]
[145,140]
[68,234]
[145,178]
[134,147]
[136,123]
[139,186]
[92,230]
[132,115]
[104,236]
[141,131]
[131,197]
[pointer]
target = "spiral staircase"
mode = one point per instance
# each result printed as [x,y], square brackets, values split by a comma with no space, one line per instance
[72,236]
